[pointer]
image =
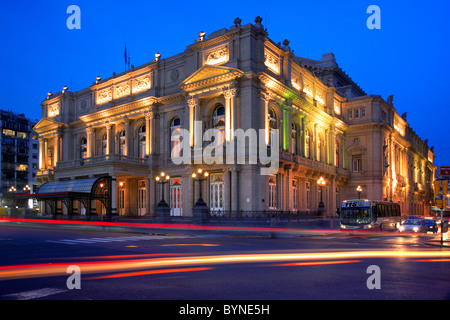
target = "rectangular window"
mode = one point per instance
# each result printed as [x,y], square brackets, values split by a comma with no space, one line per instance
[356,113]
[350,114]
[363,113]
[272,193]
[357,163]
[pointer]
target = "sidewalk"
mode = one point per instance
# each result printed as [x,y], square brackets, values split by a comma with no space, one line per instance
[181,225]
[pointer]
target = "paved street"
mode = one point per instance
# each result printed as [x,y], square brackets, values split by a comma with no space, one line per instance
[219,266]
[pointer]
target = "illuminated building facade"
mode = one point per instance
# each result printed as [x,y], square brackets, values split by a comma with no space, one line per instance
[19,158]
[127,127]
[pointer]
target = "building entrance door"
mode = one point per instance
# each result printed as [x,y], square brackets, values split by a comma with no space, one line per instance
[142,197]
[217,187]
[176,197]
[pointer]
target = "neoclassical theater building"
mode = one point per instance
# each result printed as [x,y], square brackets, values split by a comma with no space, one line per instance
[128,128]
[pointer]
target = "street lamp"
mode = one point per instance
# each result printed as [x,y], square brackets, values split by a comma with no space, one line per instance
[321,183]
[162,179]
[199,176]
[359,190]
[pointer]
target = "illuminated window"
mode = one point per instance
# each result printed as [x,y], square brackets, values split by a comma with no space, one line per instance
[219,122]
[104,144]
[175,135]
[142,141]
[122,143]
[83,148]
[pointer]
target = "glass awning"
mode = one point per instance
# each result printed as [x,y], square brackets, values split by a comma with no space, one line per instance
[79,186]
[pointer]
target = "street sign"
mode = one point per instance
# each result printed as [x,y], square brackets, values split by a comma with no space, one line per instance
[444,226]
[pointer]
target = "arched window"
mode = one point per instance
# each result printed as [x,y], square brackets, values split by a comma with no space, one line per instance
[83,148]
[105,144]
[294,138]
[175,137]
[122,143]
[219,121]
[142,141]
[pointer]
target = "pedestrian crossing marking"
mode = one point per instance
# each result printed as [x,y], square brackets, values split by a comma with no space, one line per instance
[112,239]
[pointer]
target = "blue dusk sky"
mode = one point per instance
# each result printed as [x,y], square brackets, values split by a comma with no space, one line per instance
[407,57]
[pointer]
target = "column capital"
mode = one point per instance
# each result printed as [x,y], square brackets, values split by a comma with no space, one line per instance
[150,115]
[229,92]
[192,101]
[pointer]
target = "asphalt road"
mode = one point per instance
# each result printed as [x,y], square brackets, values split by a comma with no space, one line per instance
[211,266]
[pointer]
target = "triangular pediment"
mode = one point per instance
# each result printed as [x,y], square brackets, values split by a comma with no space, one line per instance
[45,124]
[210,74]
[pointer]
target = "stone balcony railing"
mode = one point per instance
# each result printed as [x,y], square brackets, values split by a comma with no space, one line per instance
[102,159]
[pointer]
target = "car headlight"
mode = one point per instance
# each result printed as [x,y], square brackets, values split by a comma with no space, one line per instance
[415,229]
[402,228]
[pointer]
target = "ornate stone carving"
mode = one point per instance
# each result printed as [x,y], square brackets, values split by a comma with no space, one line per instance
[104,96]
[271,62]
[141,84]
[217,57]
[122,90]
[53,110]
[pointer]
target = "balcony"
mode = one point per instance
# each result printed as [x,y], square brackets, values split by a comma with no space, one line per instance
[110,159]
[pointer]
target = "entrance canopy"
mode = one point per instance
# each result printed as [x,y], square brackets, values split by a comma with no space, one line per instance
[83,190]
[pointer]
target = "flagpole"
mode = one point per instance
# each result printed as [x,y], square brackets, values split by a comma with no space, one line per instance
[125,54]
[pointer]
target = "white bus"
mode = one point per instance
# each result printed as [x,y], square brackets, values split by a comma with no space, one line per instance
[370,215]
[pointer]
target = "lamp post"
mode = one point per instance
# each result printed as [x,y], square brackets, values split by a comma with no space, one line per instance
[200,176]
[321,183]
[162,179]
[359,190]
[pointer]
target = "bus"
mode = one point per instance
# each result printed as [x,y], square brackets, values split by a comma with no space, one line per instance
[370,215]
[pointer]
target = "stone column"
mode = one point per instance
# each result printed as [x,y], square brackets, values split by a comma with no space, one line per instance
[148,133]
[90,146]
[108,138]
[230,112]
[193,113]
[41,154]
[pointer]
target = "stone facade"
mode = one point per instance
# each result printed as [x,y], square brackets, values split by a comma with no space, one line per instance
[126,126]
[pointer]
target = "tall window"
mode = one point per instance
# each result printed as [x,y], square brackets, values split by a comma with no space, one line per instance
[357,163]
[175,137]
[272,126]
[217,187]
[219,122]
[308,195]
[122,143]
[83,148]
[272,193]
[294,138]
[294,195]
[336,162]
[142,143]
[104,144]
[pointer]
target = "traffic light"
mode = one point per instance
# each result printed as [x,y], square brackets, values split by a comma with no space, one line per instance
[437,187]
[444,184]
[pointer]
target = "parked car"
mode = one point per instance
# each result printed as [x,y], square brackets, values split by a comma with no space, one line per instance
[414,225]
